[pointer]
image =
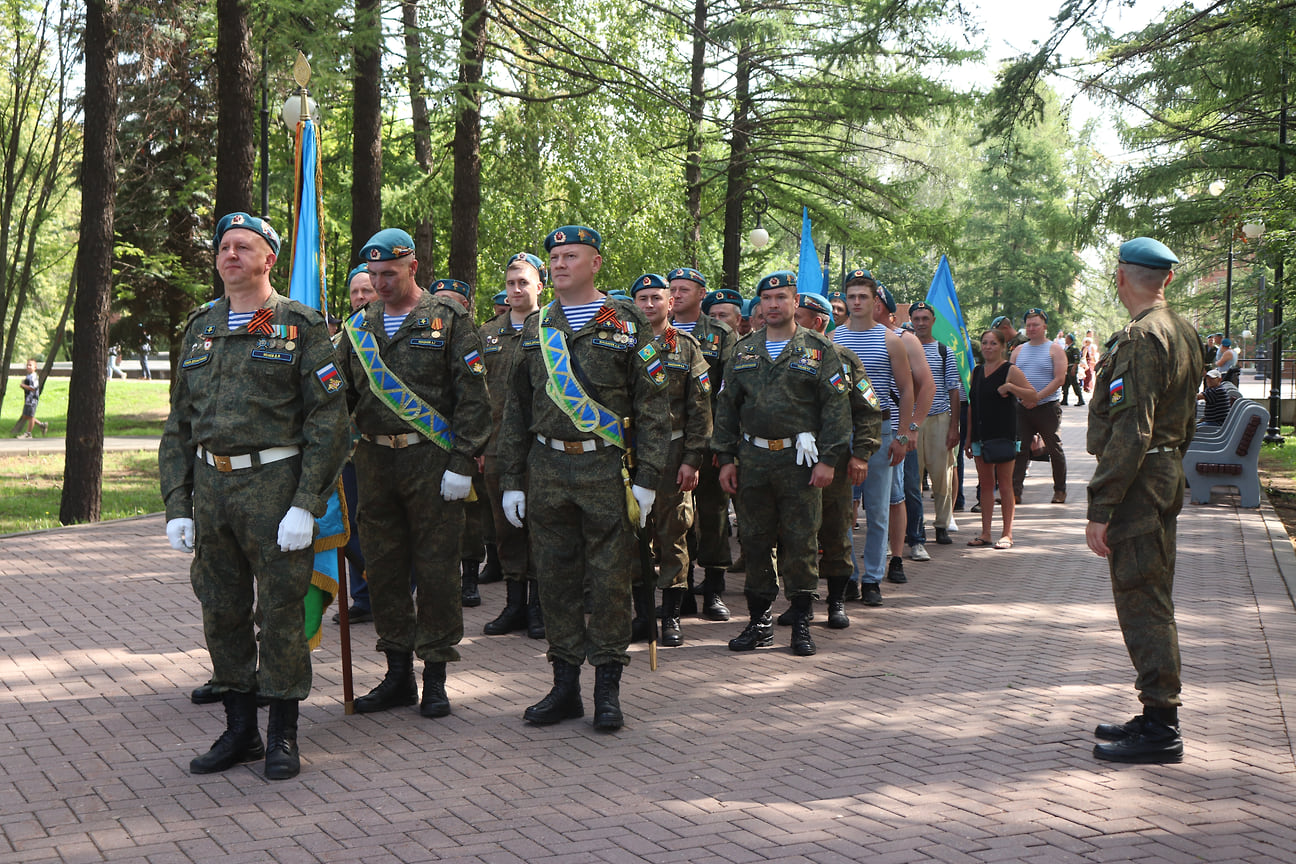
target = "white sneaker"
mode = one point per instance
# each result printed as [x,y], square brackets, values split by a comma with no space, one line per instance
[918,552]
[953,526]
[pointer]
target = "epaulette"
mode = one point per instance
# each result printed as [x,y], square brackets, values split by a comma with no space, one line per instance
[194,313]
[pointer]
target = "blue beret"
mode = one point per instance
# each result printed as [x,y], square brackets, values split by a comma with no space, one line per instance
[356,271]
[500,299]
[388,245]
[686,273]
[999,319]
[1146,252]
[451,285]
[533,260]
[836,295]
[887,300]
[648,280]
[251,223]
[778,279]
[748,306]
[815,302]
[722,295]
[859,273]
[1227,343]
[617,292]
[568,235]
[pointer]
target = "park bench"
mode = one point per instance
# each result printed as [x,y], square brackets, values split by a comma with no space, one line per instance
[1230,458]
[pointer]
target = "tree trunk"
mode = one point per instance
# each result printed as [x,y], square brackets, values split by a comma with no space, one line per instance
[736,186]
[366,137]
[693,158]
[83,469]
[423,231]
[465,199]
[236,133]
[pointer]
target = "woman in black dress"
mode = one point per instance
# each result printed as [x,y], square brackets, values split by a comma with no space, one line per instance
[992,431]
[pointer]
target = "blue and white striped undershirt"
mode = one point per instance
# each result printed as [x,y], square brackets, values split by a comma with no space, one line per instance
[579,316]
[870,347]
[239,319]
[774,349]
[684,326]
[1037,365]
[391,323]
[946,378]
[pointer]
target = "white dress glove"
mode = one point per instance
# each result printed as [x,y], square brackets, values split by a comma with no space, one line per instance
[296,530]
[181,534]
[513,503]
[645,497]
[455,487]
[807,449]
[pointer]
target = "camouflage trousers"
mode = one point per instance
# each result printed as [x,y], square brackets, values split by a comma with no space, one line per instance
[241,578]
[476,515]
[512,543]
[777,506]
[669,524]
[582,543]
[1142,576]
[407,528]
[836,525]
[711,516]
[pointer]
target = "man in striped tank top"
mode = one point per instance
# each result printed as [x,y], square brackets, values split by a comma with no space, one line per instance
[1044,363]
[887,364]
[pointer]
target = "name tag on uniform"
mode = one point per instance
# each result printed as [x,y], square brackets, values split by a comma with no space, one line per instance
[741,365]
[415,342]
[710,350]
[196,360]
[531,343]
[610,342]
[677,366]
[804,367]
[275,356]
[491,349]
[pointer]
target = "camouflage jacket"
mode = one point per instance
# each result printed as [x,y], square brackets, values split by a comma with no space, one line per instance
[803,390]
[616,359]
[717,341]
[502,346]
[238,392]
[690,392]
[437,354]
[1145,398]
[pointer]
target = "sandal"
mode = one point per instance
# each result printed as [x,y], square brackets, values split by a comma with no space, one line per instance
[979,541]
[1004,543]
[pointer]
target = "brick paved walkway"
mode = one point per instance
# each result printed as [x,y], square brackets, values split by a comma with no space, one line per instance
[953,724]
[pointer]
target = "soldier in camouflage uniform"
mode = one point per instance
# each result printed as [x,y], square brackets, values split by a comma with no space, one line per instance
[690,417]
[502,338]
[710,536]
[1141,419]
[813,312]
[251,452]
[568,481]
[785,417]
[413,484]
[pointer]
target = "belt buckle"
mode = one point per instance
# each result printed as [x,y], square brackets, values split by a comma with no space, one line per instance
[222,463]
[775,444]
[573,447]
[398,442]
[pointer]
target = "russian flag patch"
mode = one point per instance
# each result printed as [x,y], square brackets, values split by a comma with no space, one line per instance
[329,377]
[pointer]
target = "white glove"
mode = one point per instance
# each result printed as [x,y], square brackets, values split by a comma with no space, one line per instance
[514,505]
[181,534]
[645,497]
[296,530]
[455,487]
[807,449]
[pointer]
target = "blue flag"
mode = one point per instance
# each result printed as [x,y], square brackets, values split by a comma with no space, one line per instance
[307,286]
[949,328]
[809,273]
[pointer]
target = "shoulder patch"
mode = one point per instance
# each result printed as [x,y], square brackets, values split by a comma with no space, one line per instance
[1116,394]
[474,362]
[329,377]
[865,387]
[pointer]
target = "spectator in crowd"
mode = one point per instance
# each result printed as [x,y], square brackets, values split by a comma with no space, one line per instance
[1044,365]
[1216,397]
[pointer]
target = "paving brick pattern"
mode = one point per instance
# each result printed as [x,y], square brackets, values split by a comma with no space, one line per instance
[950,725]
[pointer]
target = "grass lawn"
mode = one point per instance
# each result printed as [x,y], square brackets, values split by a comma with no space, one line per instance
[31,485]
[1278,477]
[132,407]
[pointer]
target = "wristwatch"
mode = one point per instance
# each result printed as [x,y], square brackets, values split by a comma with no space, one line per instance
[902,440]
[913,427]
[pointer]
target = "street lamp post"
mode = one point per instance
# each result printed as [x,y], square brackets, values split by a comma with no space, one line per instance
[1217,189]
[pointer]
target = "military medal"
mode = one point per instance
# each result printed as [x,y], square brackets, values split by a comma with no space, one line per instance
[206,344]
[262,343]
[436,334]
[290,345]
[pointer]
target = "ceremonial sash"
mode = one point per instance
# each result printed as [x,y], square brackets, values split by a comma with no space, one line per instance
[565,391]
[392,392]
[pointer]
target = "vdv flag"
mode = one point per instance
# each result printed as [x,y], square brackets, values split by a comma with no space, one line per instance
[307,286]
[949,328]
[809,274]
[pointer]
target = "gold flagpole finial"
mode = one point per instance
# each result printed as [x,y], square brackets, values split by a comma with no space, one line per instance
[301,70]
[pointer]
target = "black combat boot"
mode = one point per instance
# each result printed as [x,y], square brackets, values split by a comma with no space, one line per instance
[435,701]
[837,619]
[643,597]
[492,572]
[670,620]
[759,632]
[535,617]
[282,760]
[713,585]
[1155,742]
[241,740]
[514,616]
[607,697]
[396,690]
[204,695]
[468,593]
[563,702]
[802,610]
